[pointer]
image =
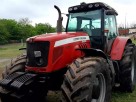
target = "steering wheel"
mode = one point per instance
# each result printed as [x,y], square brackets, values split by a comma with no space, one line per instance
[86,26]
[87,29]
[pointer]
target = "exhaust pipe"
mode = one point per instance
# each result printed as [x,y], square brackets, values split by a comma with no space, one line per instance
[60,19]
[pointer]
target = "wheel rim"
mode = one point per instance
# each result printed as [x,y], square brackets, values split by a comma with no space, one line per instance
[99,89]
[132,69]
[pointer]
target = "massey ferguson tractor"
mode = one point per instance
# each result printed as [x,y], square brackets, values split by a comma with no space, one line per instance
[85,62]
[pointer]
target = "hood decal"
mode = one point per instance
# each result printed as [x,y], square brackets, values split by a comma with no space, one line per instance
[71,40]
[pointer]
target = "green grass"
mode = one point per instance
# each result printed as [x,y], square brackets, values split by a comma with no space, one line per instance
[124,97]
[134,41]
[10,50]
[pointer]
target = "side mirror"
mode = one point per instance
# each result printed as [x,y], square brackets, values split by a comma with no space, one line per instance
[67,15]
[106,31]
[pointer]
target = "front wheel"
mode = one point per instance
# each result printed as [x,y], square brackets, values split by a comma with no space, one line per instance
[38,94]
[16,65]
[87,80]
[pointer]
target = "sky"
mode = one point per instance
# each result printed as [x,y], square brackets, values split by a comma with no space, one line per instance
[42,11]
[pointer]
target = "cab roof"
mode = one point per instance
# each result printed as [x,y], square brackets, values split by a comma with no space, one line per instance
[83,7]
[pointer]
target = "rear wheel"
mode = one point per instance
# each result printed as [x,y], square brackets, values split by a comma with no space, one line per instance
[128,69]
[87,80]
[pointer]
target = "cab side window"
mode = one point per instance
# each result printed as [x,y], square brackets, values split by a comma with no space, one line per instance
[110,25]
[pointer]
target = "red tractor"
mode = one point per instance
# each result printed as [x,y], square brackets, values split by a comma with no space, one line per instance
[85,62]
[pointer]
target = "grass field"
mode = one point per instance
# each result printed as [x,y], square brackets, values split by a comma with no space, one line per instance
[7,52]
[11,51]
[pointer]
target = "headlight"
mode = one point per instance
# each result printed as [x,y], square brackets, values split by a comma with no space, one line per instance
[39,61]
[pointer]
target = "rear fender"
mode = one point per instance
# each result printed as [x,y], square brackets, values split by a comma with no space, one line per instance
[118,47]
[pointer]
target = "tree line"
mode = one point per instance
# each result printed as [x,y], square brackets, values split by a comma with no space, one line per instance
[12,30]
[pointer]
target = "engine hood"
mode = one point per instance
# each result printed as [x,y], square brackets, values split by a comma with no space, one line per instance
[56,36]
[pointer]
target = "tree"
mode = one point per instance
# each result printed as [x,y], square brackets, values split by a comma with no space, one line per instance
[11,26]
[3,34]
[25,29]
[41,28]
[133,25]
[24,21]
[12,30]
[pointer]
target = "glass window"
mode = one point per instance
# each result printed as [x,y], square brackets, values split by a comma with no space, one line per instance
[84,23]
[110,25]
[89,22]
[72,24]
[96,23]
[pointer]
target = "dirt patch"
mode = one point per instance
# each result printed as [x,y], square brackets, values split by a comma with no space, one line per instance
[3,63]
[4,60]
[53,96]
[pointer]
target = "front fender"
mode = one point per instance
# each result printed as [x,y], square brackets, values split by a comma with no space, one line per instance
[118,47]
[93,52]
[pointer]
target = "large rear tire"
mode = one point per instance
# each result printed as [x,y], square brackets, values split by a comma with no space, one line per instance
[128,68]
[87,80]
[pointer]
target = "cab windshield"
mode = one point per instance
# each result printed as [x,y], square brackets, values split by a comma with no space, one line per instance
[89,22]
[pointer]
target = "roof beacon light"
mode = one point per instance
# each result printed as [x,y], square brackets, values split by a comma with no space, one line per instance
[70,9]
[90,6]
[97,5]
[75,8]
[82,3]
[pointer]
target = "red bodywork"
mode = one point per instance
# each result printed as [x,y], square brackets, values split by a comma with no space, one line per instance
[118,47]
[62,49]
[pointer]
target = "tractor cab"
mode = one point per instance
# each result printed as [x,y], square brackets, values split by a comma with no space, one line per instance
[98,20]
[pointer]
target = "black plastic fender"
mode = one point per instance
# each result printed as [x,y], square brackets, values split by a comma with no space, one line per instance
[94,52]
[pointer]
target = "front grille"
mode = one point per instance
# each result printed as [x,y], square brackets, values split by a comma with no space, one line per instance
[37,54]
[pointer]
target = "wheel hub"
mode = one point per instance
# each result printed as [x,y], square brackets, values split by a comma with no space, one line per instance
[132,69]
[99,89]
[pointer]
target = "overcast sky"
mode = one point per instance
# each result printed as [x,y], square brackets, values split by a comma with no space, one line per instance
[41,11]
